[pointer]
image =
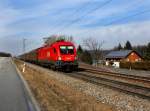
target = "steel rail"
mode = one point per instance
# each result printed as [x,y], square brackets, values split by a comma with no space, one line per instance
[128,88]
[119,75]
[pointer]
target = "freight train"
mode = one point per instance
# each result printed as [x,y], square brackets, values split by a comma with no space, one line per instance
[60,55]
[3,54]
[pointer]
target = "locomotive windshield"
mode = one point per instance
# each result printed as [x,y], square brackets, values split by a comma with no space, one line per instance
[66,49]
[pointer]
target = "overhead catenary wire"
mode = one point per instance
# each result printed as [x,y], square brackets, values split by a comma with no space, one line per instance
[84,15]
[122,19]
[94,9]
[76,11]
[130,16]
[78,19]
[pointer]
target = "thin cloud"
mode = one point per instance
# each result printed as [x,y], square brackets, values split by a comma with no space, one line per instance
[36,19]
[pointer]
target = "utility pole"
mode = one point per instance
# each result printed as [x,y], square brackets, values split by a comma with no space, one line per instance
[24,49]
[24,45]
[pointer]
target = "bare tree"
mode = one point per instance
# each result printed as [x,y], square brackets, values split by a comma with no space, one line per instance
[68,38]
[49,40]
[95,47]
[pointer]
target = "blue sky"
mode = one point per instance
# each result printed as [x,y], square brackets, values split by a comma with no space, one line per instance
[112,21]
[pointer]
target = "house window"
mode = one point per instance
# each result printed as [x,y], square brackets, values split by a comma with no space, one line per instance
[132,54]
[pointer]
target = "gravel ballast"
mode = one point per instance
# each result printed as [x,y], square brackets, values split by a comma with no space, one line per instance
[54,95]
[120,100]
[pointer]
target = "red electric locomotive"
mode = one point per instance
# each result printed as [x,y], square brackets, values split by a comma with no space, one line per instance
[59,55]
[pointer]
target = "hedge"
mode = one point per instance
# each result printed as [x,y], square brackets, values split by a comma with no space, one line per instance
[136,65]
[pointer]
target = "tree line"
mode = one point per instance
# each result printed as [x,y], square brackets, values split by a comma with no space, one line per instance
[93,52]
[143,50]
[84,55]
[96,53]
[127,46]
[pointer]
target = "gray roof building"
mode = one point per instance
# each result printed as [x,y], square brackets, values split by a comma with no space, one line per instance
[114,57]
[118,54]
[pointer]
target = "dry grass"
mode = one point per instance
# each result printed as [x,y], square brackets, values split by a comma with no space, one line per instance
[52,95]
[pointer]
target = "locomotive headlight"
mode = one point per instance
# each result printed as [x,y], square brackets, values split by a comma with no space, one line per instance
[59,58]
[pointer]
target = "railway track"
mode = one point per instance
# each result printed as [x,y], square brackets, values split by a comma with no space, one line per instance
[101,70]
[132,89]
[140,79]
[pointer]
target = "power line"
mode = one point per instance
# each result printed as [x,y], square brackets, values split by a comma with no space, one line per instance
[24,45]
[130,16]
[121,19]
[81,17]
[76,11]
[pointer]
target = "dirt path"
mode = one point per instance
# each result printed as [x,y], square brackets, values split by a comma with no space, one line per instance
[52,95]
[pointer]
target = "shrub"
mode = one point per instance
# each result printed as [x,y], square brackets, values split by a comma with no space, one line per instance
[136,65]
[86,57]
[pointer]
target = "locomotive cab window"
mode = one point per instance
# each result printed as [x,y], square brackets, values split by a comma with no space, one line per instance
[66,49]
[70,49]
